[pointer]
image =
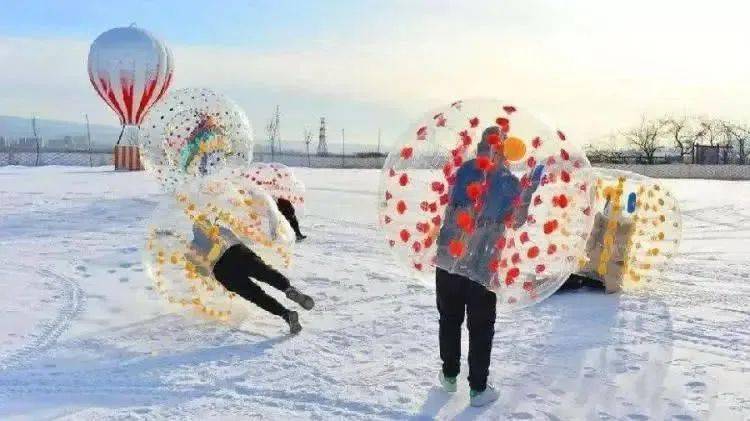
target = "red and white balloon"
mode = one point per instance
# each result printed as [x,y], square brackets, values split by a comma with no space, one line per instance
[130,69]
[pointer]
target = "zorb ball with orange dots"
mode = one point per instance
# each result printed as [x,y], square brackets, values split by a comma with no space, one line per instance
[636,231]
[192,228]
[278,180]
[484,190]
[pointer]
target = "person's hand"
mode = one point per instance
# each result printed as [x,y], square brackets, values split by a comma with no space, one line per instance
[199,267]
[536,176]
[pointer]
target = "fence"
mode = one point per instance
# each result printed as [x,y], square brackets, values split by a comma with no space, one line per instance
[328,161]
[712,172]
[27,156]
[101,157]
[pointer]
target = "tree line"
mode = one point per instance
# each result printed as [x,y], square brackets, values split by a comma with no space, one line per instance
[677,137]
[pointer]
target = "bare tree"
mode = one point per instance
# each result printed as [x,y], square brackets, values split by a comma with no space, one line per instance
[737,134]
[710,132]
[682,134]
[646,137]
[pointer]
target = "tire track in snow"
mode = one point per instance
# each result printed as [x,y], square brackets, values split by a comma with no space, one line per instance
[71,306]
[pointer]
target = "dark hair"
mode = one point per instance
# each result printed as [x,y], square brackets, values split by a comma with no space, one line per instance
[484,148]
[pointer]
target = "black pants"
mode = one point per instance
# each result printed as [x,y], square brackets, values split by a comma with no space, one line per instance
[235,268]
[287,209]
[456,296]
[575,282]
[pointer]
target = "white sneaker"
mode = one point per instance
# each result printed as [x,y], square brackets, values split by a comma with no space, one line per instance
[450,384]
[484,397]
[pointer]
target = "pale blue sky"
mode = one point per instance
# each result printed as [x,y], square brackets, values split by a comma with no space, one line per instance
[257,24]
[587,66]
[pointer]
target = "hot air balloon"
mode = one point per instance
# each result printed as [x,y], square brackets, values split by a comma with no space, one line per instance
[130,70]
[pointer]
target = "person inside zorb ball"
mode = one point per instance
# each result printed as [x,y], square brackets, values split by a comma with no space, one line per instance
[207,243]
[193,133]
[484,190]
[281,183]
[485,197]
[636,231]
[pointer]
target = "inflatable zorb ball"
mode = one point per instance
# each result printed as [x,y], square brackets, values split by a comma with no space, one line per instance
[484,190]
[636,231]
[192,228]
[278,180]
[193,133]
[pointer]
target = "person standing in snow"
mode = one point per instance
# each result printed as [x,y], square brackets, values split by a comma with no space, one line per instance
[233,264]
[459,295]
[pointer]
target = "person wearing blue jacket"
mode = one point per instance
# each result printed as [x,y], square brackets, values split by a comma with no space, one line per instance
[462,280]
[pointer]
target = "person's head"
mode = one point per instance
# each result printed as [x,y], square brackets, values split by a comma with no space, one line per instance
[490,136]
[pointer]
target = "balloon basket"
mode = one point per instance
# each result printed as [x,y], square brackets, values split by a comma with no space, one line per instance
[127,158]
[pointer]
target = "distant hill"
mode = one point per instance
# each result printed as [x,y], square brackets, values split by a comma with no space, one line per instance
[15,127]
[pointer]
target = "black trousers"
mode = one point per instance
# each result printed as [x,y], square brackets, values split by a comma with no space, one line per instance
[287,209]
[235,268]
[575,282]
[456,296]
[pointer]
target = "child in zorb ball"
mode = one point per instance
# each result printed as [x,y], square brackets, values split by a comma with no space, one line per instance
[193,133]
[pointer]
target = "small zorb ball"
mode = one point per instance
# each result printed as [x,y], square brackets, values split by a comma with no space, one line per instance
[278,180]
[484,190]
[636,231]
[192,228]
[193,133]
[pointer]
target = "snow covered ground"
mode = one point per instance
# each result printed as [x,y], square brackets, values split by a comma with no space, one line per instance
[84,336]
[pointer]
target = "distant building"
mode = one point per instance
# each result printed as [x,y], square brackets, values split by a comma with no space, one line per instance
[79,142]
[2,142]
[63,143]
[713,154]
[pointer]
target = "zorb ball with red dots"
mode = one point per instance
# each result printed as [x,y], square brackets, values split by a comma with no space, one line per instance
[193,133]
[484,190]
[278,180]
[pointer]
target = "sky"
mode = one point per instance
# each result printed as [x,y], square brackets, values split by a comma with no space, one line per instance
[589,67]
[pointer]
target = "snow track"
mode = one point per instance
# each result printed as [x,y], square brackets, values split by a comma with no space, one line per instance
[45,335]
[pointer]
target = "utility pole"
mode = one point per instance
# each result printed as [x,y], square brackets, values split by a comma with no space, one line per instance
[322,144]
[88,136]
[308,139]
[36,138]
[272,129]
[379,141]
[277,117]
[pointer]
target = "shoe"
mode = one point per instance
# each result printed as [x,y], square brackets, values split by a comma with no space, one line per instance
[305,301]
[450,384]
[487,396]
[301,237]
[292,319]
